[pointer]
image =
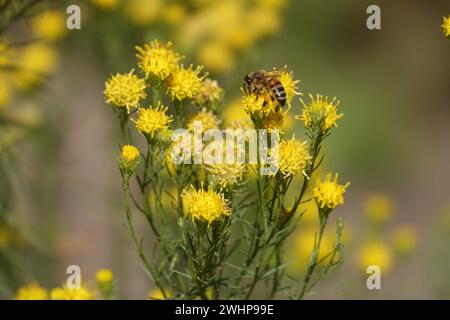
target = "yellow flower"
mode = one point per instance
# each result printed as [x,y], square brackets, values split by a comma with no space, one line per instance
[293,157]
[64,293]
[129,154]
[174,13]
[104,276]
[32,292]
[125,90]
[329,193]
[5,92]
[227,175]
[156,294]
[260,105]
[208,119]
[201,205]
[210,92]
[142,12]
[106,4]
[36,61]
[185,83]
[158,60]
[304,245]
[263,21]
[152,120]
[404,240]
[320,111]
[375,253]
[378,208]
[289,85]
[216,56]
[275,120]
[50,25]
[446,26]
[233,111]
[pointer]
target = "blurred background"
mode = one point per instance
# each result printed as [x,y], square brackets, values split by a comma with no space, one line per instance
[60,196]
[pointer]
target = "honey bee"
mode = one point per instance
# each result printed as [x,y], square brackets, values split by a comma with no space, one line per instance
[259,81]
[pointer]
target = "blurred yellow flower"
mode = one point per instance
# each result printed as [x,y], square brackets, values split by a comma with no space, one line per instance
[156,294]
[208,119]
[404,240]
[50,25]
[263,21]
[5,92]
[375,253]
[125,90]
[158,60]
[304,244]
[32,292]
[36,61]
[64,293]
[173,13]
[106,4]
[318,110]
[152,120]
[233,112]
[209,92]
[329,193]
[378,208]
[185,83]
[217,56]
[104,276]
[201,205]
[142,12]
[293,157]
[446,26]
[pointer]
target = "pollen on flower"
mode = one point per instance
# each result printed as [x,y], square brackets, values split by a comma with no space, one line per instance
[204,205]
[273,121]
[293,157]
[209,92]
[32,292]
[125,90]
[320,111]
[289,84]
[446,26]
[185,83]
[152,120]
[260,104]
[208,120]
[158,60]
[329,193]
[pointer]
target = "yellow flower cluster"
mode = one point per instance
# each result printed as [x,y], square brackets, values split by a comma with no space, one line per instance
[185,83]
[125,90]
[50,25]
[152,120]
[32,292]
[208,120]
[209,92]
[289,84]
[228,175]
[261,104]
[329,193]
[158,60]
[293,157]
[446,26]
[204,205]
[320,111]
[64,293]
